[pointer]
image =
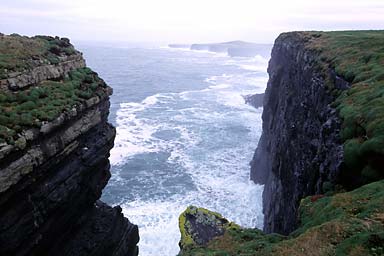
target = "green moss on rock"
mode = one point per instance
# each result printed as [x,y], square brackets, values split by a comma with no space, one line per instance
[18,53]
[358,57]
[29,108]
[199,225]
[350,223]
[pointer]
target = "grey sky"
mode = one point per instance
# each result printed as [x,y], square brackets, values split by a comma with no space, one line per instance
[185,21]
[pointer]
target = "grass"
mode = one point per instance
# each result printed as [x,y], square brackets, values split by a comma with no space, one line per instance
[358,57]
[350,223]
[19,53]
[30,108]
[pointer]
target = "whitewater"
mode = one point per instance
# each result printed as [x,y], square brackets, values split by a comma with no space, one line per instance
[184,136]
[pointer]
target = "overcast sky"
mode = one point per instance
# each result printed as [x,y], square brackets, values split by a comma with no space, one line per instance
[185,20]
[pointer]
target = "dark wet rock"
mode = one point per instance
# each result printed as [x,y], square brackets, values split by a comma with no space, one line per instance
[198,226]
[50,185]
[300,149]
[48,202]
[255,100]
[106,231]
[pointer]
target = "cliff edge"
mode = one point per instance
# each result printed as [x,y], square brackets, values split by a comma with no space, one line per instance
[320,156]
[322,120]
[54,147]
[348,223]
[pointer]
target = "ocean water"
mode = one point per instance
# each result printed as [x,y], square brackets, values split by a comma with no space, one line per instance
[184,136]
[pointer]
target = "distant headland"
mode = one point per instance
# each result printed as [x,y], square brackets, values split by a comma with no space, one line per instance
[233,48]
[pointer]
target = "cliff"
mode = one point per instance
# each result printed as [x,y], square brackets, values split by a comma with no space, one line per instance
[343,224]
[300,148]
[320,156]
[54,147]
[318,133]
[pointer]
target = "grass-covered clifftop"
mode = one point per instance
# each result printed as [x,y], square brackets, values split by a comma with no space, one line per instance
[43,103]
[339,222]
[52,83]
[19,53]
[350,223]
[358,57]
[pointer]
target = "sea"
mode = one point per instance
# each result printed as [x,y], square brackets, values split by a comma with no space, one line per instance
[184,135]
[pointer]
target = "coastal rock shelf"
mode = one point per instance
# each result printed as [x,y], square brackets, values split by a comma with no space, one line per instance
[54,156]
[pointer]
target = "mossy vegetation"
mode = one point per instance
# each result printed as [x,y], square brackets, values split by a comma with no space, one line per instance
[31,107]
[19,53]
[357,57]
[202,219]
[350,223]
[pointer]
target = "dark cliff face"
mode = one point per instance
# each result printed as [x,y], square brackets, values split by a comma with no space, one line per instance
[299,152]
[53,210]
[50,186]
[322,136]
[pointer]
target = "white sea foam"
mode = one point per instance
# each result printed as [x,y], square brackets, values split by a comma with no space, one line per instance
[158,220]
[232,99]
[133,135]
[211,138]
[256,64]
[252,67]
[213,79]
[151,100]
[261,59]
[158,225]
[219,86]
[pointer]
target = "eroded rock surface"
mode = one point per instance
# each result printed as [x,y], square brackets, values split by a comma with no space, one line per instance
[198,226]
[52,176]
[300,148]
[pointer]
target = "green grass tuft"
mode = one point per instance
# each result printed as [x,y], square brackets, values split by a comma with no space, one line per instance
[19,53]
[30,108]
[349,223]
[358,57]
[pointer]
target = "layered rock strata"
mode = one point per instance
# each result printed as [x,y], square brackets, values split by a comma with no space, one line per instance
[52,177]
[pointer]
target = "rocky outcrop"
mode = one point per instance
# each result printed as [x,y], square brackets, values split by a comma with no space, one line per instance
[198,226]
[52,177]
[255,100]
[300,151]
[322,137]
[18,80]
[342,224]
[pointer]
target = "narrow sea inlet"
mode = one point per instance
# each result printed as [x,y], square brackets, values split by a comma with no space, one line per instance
[184,136]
